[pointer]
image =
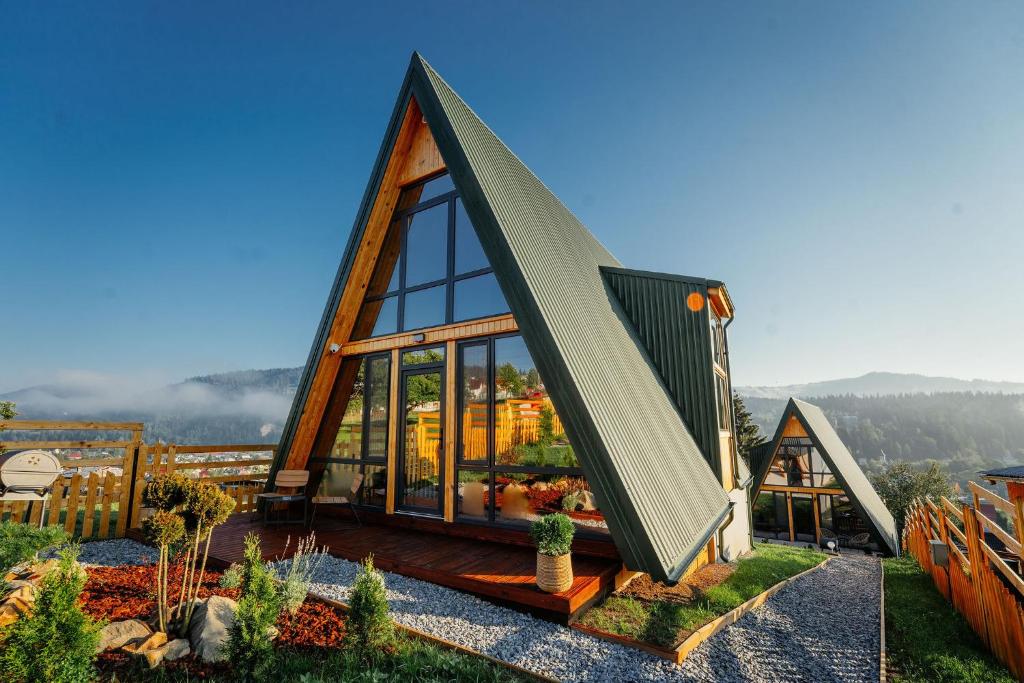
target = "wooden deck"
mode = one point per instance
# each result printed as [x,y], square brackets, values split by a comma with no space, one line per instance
[499,572]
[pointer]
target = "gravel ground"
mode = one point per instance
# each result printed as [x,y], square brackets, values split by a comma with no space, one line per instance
[823,627]
[113,553]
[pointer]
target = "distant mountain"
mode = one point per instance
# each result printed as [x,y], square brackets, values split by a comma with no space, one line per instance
[248,406]
[883,384]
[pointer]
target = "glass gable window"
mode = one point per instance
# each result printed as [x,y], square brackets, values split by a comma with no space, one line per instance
[432,269]
[361,442]
[798,463]
[514,461]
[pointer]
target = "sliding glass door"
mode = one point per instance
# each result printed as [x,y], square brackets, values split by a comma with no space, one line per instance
[420,481]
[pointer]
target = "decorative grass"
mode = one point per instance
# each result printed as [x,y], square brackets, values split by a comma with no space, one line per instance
[665,624]
[926,638]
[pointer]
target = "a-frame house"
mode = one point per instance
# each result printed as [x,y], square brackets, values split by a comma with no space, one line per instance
[809,488]
[483,359]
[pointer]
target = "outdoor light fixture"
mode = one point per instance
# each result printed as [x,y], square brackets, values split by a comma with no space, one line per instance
[419,337]
[334,348]
[939,552]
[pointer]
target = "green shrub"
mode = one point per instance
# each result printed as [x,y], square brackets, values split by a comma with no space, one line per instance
[553,534]
[249,648]
[57,641]
[296,579]
[165,491]
[232,577]
[368,628]
[22,542]
[570,501]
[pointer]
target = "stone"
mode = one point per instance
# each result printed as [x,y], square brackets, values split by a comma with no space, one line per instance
[150,642]
[25,591]
[587,502]
[116,634]
[8,615]
[168,652]
[211,626]
[41,569]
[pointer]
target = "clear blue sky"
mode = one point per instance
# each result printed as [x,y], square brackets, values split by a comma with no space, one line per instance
[177,180]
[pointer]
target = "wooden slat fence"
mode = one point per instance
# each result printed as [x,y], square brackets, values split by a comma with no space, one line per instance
[100,497]
[983,584]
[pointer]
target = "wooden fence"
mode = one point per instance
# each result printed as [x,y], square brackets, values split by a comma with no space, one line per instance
[982,583]
[101,497]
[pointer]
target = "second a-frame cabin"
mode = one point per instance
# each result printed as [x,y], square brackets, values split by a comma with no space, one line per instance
[483,360]
[809,488]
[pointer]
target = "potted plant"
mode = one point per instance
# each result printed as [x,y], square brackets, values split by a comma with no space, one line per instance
[553,536]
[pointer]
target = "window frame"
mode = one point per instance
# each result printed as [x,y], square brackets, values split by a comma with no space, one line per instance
[404,219]
[489,466]
[364,444]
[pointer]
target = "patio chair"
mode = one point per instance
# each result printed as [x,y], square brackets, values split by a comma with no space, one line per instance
[296,481]
[338,487]
[860,540]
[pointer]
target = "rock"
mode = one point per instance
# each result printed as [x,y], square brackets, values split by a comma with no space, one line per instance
[117,633]
[273,632]
[41,569]
[150,642]
[8,615]
[587,502]
[24,591]
[540,486]
[169,652]
[211,626]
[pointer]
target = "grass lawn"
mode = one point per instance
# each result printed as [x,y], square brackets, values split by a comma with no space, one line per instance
[925,638]
[412,660]
[665,623]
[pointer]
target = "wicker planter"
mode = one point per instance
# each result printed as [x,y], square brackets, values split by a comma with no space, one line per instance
[554,573]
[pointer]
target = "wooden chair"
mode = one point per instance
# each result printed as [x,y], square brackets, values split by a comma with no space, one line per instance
[296,481]
[338,487]
[860,540]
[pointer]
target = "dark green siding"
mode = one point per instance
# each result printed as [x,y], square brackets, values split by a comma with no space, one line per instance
[679,344]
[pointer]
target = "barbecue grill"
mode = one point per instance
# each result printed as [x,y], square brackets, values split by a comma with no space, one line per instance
[28,475]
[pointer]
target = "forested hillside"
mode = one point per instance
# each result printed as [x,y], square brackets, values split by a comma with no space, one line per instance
[965,432]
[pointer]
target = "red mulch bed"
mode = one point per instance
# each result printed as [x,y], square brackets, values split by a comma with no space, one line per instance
[118,593]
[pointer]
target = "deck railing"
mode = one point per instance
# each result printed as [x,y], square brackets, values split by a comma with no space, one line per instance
[978,580]
[100,494]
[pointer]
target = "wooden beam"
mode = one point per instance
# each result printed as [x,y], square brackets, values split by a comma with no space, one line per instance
[399,160]
[817,519]
[789,506]
[434,335]
[451,414]
[393,434]
[803,489]
[61,425]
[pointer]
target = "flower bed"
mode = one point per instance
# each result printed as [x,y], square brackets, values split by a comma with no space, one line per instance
[117,593]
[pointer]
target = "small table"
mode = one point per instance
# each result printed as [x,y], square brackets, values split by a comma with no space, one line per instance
[269,499]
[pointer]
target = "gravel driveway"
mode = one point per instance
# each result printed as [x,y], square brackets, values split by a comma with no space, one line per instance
[823,627]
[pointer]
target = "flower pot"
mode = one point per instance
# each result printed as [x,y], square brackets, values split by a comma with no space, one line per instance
[554,573]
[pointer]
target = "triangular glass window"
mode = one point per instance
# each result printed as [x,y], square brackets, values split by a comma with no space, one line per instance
[432,269]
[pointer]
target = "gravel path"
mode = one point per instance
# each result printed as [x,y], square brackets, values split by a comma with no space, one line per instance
[823,627]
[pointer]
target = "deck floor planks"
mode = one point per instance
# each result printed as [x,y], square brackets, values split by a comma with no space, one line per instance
[485,568]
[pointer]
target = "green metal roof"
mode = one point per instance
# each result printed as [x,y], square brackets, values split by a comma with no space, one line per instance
[843,466]
[678,341]
[659,497]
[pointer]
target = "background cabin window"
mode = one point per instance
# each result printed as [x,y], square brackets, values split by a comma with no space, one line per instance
[724,402]
[717,340]
[361,443]
[432,269]
[798,463]
[514,460]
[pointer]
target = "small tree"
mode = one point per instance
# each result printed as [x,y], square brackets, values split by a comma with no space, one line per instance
[509,379]
[164,530]
[206,507]
[249,647]
[900,484]
[553,534]
[368,628]
[748,433]
[7,412]
[57,641]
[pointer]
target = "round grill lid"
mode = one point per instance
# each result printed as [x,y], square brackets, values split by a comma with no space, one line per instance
[28,469]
